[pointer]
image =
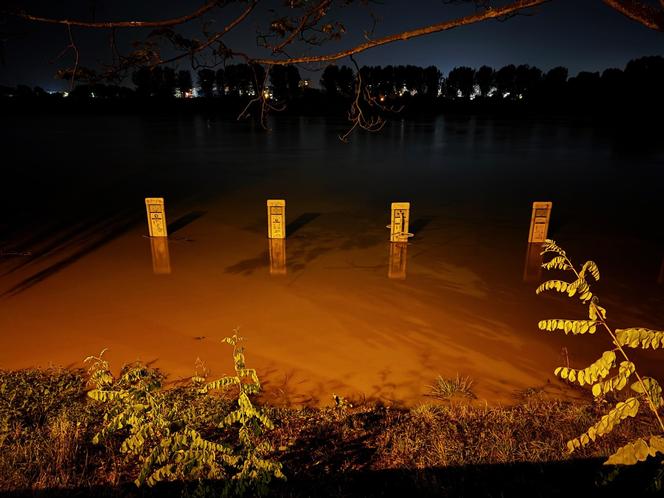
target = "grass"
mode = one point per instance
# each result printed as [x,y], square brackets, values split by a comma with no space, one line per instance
[446,389]
[47,424]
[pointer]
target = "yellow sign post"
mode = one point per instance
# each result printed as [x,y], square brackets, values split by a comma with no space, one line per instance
[156,216]
[276,218]
[398,257]
[399,222]
[161,260]
[539,221]
[277,256]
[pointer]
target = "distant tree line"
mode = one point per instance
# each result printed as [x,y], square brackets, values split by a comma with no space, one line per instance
[641,78]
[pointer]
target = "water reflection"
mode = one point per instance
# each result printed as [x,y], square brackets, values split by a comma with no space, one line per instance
[161,259]
[532,271]
[277,256]
[660,279]
[398,257]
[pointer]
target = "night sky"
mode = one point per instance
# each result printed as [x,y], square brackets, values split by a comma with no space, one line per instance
[578,34]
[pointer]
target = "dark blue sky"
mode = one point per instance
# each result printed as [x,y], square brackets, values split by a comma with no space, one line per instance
[578,34]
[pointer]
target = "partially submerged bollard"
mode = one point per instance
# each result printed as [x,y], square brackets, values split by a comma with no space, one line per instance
[539,228]
[399,235]
[161,262]
[161,259]
[277,256]
[398,256]
[539,221]
[276,218]
[156,216]
[399,219]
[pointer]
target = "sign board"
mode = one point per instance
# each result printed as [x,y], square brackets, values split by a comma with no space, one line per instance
[532,271]
[398,256]
[399,222]
[156,216]
[161,260]
[276,218]
[539,221]
[277,256]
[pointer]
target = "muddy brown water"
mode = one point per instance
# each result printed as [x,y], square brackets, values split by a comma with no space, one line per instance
[77,273]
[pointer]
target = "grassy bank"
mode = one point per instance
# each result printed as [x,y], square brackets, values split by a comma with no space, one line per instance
[454,448]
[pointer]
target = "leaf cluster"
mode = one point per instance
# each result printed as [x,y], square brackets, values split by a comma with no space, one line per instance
[647,390]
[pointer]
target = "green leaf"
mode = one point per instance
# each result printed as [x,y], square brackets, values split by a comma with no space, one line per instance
[557,285]
[573,326]
[640,338]
[652,389]
[623,410]
[631,453]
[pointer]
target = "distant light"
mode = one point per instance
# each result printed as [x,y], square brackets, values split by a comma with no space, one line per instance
[382,98]
[65,94]
[92,94]
[506,94]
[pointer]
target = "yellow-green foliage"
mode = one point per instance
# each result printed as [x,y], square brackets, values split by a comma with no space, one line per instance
[161,429]
[647,389]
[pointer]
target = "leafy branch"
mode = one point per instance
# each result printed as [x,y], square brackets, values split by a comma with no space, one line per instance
[647,389]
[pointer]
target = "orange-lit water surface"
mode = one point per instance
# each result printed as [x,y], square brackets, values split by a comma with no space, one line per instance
[334,322]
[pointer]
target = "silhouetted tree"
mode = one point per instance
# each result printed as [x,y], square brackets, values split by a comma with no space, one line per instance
[505,80]
[460,80]
[142,79]
[285,82]
[431,77]
[184,83]
[220,82]
[484,80]
[554,84]
[527,80]
[206,82]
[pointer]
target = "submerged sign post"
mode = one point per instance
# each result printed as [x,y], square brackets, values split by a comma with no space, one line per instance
[398,257]
[276,218]
[399,222]
[161,260]
[156,216]
[539,222]
[277,251]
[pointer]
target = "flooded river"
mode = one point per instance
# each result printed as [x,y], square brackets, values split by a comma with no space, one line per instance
[334,309]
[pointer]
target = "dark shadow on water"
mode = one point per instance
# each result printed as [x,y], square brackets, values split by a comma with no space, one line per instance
[299,222]
[419,224]
[581,478]
[185,220]
[100,236]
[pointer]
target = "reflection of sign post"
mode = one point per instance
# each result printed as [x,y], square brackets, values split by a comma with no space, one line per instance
[161,261]
[156,216]
[276,218]
[397,265]
[277,256]
[539,221]
[532,271]
[399,222]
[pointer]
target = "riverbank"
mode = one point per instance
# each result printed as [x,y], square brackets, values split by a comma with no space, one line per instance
[442,448]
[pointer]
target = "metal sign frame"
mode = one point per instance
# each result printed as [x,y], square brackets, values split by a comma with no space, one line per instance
[539,222]
[399,219]
[276,218]
[154,207]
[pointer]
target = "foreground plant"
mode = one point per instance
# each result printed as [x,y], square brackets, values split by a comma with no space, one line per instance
[645,390]
[163,427]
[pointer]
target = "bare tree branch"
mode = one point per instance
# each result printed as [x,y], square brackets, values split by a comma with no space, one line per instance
[215,37]
[640,12]
[490,13]
[121,24]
